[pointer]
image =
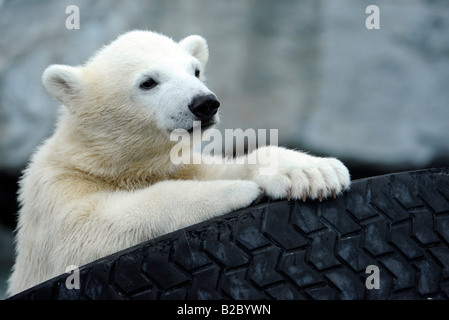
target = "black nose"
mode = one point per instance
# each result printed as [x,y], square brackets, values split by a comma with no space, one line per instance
[204,107]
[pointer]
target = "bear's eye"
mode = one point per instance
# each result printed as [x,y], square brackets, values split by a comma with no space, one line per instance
[148,84]
[197,73]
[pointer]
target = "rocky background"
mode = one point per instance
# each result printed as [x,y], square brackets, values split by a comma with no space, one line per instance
[376,99]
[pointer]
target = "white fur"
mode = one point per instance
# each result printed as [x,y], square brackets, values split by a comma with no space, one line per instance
[104,181]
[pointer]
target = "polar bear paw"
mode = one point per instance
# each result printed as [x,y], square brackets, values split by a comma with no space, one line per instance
[300,176]
[238,194]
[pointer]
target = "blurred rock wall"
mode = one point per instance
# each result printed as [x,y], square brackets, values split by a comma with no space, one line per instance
[309,68]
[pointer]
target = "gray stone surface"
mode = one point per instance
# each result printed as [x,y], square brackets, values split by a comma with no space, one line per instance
[383,94]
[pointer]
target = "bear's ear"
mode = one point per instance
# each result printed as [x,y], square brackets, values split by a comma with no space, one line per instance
[62,82]
[197,47]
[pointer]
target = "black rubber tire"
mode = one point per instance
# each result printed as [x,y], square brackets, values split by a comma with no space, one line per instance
[291,250]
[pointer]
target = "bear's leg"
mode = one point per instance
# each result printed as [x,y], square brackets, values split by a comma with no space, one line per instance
[285,174]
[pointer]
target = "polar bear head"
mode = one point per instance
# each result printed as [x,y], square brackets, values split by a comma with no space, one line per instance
[140,83]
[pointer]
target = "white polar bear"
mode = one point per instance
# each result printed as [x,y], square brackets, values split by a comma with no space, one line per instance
[104,180]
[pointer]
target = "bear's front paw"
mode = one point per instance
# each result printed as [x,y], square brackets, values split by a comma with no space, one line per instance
[236,194]
[309,177]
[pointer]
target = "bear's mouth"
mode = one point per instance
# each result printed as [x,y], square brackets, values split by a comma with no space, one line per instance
[204,126]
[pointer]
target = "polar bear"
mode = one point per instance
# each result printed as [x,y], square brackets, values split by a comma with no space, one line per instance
[104,180]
